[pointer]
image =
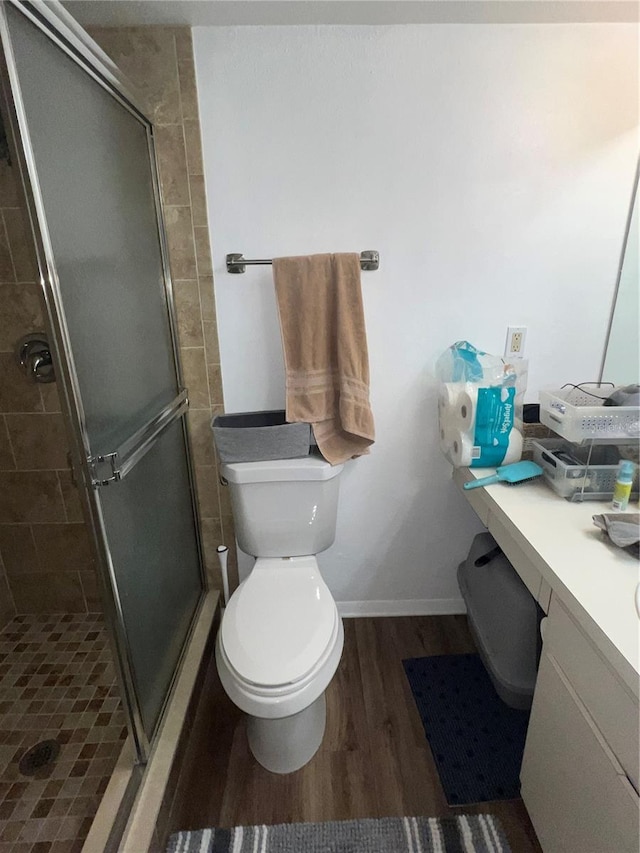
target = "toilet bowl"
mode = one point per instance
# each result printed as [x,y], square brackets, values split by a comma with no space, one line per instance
[281,636]
[277,650]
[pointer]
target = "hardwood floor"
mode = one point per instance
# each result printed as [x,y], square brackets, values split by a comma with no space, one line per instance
[374,761]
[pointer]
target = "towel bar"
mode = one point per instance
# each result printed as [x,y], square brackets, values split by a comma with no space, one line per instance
[237,263]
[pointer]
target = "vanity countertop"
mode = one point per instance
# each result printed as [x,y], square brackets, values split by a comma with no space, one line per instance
[594,579]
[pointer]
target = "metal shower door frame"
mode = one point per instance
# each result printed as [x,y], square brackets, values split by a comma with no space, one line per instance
[54,21]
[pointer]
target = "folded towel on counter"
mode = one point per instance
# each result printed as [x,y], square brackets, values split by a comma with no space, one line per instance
[325,351]
[622,528]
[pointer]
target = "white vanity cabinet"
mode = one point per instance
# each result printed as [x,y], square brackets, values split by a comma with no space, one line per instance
[580,776]
[581,751]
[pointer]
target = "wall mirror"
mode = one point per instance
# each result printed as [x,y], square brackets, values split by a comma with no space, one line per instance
[621,363]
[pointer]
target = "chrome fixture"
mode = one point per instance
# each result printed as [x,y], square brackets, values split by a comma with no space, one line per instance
[34,356]
[130,452]
[237,263]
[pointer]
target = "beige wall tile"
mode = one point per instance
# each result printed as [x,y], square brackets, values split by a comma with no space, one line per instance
[215,384]
[7,272]
[63,547]
[9,193]
[187,301]
[7,460]
[20,313]
[201,437]
[232,561]
[207,298]
[211,345]
[21,243]
[17,394]
[194,371]
[180,240]
[7,609]
[198,201]
[30,496]
[39,441]
[50,397]
[147,56]
[172,164]
[184,43]
[188,91]
[203,253]
[70,496]
[47,592]
[211,538]
[193,143]
[91,590]
[224,494]
[207,482]
[18,549]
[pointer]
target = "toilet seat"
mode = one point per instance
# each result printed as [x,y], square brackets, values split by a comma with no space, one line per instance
[276,691]
[268,702]
[279,626]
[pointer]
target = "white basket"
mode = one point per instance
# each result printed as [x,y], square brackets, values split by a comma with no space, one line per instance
[575,414]
[594,481]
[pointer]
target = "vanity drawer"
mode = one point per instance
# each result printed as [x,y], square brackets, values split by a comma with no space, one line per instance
[613,709]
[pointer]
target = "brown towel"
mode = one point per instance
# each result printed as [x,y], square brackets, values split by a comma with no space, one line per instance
[325,351]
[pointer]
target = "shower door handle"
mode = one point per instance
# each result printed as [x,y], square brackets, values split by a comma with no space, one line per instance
[111,467]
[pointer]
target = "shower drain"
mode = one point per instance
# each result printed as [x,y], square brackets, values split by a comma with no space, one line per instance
[39,756]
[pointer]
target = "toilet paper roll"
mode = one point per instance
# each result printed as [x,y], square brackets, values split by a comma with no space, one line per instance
[443,439]
[514,449]
[460,452]
[448,394]
[465,408]
[457,404]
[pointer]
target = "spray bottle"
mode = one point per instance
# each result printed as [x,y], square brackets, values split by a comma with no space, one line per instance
[622,489]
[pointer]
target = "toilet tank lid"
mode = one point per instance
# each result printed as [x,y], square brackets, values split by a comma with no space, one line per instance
[280,470]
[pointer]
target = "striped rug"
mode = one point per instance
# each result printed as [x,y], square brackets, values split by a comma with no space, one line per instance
[463,834]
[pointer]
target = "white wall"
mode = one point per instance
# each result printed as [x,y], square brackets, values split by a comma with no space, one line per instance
[622,362]
[490,165]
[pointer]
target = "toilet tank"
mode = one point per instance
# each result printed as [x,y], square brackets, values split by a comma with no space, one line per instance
[285,507]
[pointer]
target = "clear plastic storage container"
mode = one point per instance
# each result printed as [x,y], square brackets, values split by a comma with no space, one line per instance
[576,415]
[579,472]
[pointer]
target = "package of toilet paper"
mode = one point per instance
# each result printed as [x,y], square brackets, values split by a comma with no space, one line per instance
[480,399]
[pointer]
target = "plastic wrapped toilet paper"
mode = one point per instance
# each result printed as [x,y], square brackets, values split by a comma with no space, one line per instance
[457,404]
[447,396]
[443,439]
[514,450]
[465,408]
[461,450]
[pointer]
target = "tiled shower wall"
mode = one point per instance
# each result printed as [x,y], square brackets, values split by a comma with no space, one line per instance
[45,555]
[159,62]
[45,558]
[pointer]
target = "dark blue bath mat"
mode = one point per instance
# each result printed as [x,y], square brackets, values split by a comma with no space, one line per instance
[477,741]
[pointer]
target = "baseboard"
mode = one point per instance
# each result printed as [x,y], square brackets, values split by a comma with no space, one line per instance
[410,607]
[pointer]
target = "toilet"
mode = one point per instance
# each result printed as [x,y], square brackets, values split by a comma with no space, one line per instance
[281,636]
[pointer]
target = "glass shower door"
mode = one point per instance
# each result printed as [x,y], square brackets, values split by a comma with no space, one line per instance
[91,173]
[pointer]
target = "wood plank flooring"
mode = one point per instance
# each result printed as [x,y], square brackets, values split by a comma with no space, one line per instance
[374,761]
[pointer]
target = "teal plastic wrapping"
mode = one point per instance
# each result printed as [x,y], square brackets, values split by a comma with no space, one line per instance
[480,406]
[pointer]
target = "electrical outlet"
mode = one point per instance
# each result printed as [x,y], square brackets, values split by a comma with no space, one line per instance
[514,345]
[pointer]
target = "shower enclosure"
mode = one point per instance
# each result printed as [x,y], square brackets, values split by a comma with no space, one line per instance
[84,151]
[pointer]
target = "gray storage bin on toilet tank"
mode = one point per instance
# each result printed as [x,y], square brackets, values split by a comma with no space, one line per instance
[259,437]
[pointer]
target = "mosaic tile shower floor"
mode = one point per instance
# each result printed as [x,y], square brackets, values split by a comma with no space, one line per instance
[57,681]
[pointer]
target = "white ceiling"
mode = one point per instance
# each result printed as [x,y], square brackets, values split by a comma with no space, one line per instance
[282,12]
